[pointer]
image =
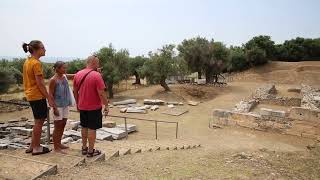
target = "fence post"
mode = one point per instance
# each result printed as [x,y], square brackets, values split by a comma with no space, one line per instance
[156,128]
[48,126]
[177,130]
[125,126]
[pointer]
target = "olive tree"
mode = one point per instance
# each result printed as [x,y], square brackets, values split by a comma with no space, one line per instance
[115,66]
[160,66]
[135,64]
[6,79]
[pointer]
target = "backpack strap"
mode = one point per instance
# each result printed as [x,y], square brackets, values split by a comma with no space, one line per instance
[82,80]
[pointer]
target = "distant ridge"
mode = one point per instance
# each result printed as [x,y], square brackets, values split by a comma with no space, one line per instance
[45,59]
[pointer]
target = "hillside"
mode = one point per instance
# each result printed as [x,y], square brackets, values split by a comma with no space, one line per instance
[307,72]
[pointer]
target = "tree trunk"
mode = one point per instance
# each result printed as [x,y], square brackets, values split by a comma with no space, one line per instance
[137,78]
[164,85]
[110,90]
[199,74]
[208,77]
[216,78]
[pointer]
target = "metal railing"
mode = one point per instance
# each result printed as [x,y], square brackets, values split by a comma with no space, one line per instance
[148,120]
[123,117]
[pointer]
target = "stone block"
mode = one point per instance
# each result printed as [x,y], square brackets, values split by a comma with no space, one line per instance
[154,107]
[294,89]
[201,81]
[125,102]
[136,110]
[130,127]
[29,124]
[171,106]
[17,140]
[222,113]
[102,135]
[245,106]
[123,110]
[67,140]
[173,103]
[247,123]
[153,102]
[3,127]
[72,133]
[21,131]
[271,112]
[4,133]
[147,106]
[16,146]
[75,125]
[193,103]
[116,133]
[109,124]
[304,114]
[26,141]
[3,146]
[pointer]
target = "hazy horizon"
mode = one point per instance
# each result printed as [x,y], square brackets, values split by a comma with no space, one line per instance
[77,28]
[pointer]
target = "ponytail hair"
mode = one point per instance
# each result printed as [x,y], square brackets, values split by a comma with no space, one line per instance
[25,47]
[32,46]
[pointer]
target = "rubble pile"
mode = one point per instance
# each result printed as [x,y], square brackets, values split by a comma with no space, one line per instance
[265,92]
[245,106]
[16,134]
[310,97]
[131,105]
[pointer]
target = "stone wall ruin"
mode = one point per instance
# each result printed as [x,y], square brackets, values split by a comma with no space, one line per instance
[302,119]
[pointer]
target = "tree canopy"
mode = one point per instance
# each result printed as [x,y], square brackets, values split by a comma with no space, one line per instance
[114,64]
[160,66]
[135,64]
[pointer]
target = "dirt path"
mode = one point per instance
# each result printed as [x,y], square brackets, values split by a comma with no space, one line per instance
[269,155]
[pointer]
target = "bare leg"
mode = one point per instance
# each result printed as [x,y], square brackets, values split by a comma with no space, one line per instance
[58,125]
[36,135]
[63,124]
[55,134]
[92,139]
[84,134]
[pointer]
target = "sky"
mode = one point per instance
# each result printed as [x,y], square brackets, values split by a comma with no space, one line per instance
[78,28]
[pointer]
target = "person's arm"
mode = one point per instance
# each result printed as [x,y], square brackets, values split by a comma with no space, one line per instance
[104,100]
[75,92]
[52,88]
[43,90]
[103,97]
[101,87]
[38,73]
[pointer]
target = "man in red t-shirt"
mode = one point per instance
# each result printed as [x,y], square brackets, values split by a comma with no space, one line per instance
[90,94]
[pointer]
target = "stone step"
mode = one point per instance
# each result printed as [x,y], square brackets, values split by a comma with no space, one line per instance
[78,153]
[15,167]
[61,160]
[52,161]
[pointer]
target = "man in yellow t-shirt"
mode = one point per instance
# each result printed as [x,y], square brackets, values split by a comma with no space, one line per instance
[36,93]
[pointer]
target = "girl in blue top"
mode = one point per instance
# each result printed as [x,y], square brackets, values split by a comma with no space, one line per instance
[60,91]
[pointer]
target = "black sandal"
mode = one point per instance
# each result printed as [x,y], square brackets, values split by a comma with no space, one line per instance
[94,153]
[84,151]
[45,150]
